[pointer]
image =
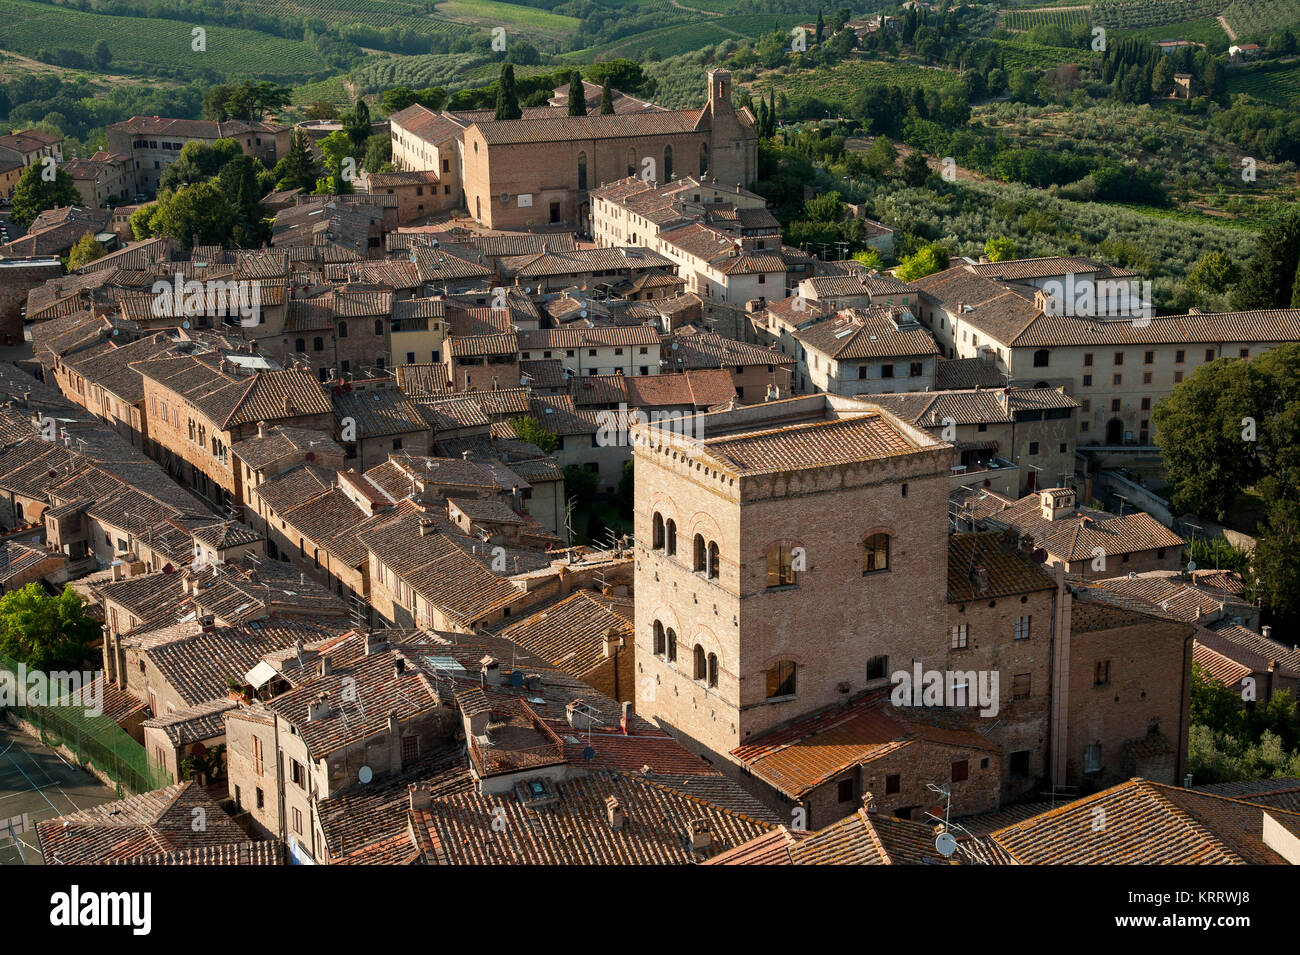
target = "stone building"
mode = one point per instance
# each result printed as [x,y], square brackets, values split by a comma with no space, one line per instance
[778,552]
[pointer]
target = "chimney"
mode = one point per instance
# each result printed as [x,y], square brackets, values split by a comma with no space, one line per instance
[615,813]
[297,652]
[701,835]
[117,570]
[421,797]
[1266,631]
[261,429]
[869,802]
[533,681]
[627,711]
[612,642]
[375,642]
[399,665]
[318,709]
[490,671]
[428,527]
[394,725]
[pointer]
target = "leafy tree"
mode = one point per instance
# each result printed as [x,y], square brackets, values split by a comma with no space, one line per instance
[925,261]
[577,95]
[140,221]
[1199,428]
[507,97]
[86,250]
[1270,276]
[356,126]
[1000,250]
[1276,564]
[606,100]
[881,158]
[337,149]
[916,171]
[1214,704]
[825,207]
[46,633]
[199,211]
[1214,274]
[101,54]
[396,99]
[35,194]
[580,483]
[530,429]
[379,152]
[321,109]
[298,169]
[870,258]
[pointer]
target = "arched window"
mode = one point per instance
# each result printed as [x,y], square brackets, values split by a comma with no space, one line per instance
[318,344]
[668,163]
[780,567]
[672,645]
[701,554]
[659,639]
[343,329]
[712,573]
[300,344]
[658,531]
[379,326]
[704,158]
[701,666]
[781,679]
[875,553]
[713,669]
[631,162]
[582,170]
[670,537]
[1040,358]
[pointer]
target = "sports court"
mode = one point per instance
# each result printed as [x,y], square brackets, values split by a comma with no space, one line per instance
[36,784]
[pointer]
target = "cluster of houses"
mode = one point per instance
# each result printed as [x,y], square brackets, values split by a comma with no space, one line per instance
[317,493]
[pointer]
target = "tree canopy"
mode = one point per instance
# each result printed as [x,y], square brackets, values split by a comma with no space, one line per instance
[46,633]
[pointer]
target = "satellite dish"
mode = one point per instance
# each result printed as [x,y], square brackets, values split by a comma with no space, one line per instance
[1191,565]
[583,313]
[1040,556]
[365,774]
[517,678]
[589,753]
[946,844]
[183,325]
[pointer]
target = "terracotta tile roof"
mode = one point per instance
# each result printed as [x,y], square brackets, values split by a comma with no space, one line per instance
[700,387]
[281,441]
[582,335]
[988,565]
[1264,647]
[775,847]
[1223,668]
[193,724]
[382,411]
[811,751]
[1074,537]
[426,124]
[151,823]
[1018,270]
[697,349]
[576,831]
[597,126]
[816,444]
[868,838]
[545,373]
[1267,325]
[868,333]
[234,853]
[231,398]
[579,261]
[1147,823]
[570,632]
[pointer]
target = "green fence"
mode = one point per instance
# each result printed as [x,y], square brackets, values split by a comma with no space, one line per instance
[93,739]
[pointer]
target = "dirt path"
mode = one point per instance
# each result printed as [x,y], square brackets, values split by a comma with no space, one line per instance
[682,6]
[1232,36]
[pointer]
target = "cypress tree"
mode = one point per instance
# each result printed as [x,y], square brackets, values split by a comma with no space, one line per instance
[507,98]
[606,99]
[577,95]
